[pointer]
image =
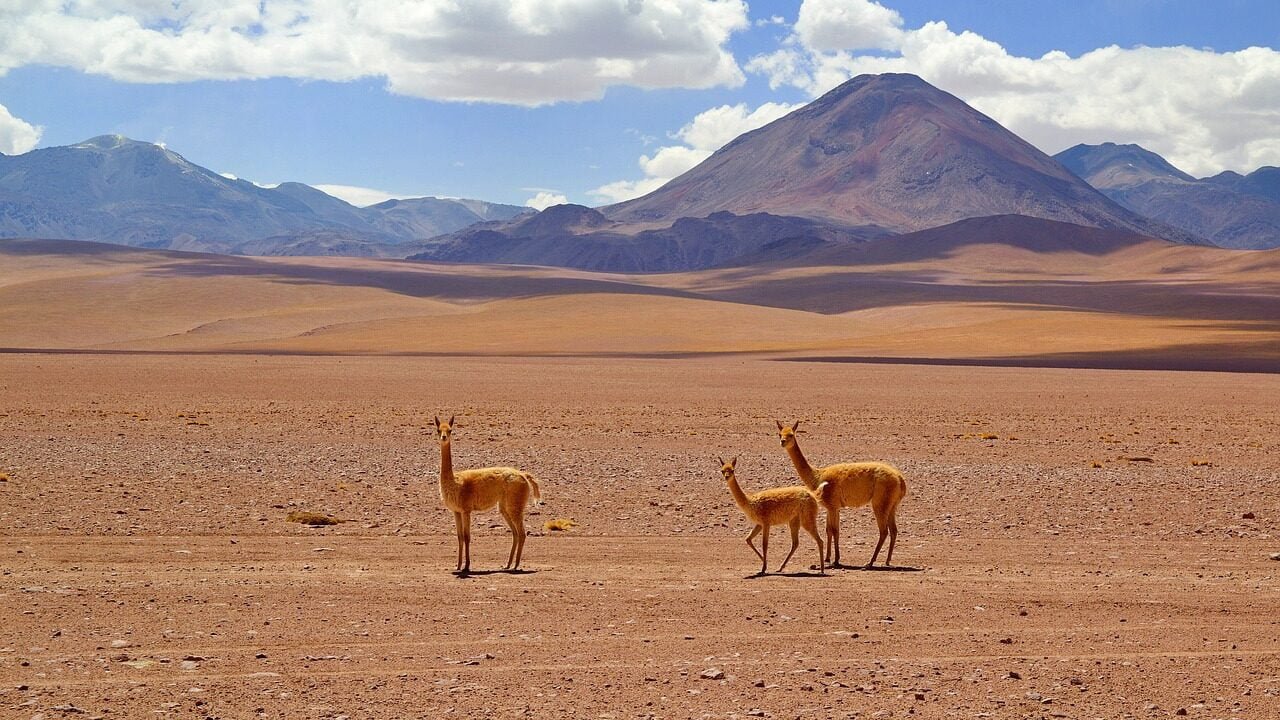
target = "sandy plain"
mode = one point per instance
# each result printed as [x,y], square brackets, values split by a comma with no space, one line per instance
[147,570]
[1080,543]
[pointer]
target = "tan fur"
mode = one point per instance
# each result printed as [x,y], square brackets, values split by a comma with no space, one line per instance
[850,485]
[794,506]
[468,491]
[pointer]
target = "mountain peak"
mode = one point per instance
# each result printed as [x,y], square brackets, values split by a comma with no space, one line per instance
[1111,166]
[107,142]
[889,151]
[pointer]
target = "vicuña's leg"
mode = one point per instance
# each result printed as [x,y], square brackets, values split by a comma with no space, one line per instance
[795,541]
[833,536]
[466,541]
[811,527]
[520,535]
[457,526]
[508,516]
[764,551]
[893,540]
[754,532]
[882,521]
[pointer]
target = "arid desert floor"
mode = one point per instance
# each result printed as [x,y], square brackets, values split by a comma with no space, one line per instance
[1075,543]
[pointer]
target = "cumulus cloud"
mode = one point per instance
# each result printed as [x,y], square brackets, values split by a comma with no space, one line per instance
[545,199]
[709,131]
[1204,111]
[524,52]
[17,135]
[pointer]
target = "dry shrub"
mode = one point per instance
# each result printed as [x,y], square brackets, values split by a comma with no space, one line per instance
[307,517]
[559,525]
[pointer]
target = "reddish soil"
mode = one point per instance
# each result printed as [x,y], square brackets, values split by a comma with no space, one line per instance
[148,571]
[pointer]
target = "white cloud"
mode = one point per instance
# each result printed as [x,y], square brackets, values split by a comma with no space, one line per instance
[545,199]
[525,52]
[362,196]
[709,131]
[1204,111]
[17,135]
[845,25]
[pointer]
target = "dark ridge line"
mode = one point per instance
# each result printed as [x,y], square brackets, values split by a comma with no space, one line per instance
[1119,362]
[1122,362]
[674,355]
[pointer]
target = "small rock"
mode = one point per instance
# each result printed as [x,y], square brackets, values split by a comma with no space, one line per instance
[713,674]
[1274,556]
[755,712]
[1006,641]
[1076,681]
[189,665]
[120,643]
[1248,516]
[1181,711]
[1033,695]
[1014,675]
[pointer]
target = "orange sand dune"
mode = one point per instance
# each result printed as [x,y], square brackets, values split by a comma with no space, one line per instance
[1147,300]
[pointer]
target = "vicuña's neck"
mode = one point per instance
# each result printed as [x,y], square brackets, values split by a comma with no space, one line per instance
[446,462]
[738,496]
[803,468]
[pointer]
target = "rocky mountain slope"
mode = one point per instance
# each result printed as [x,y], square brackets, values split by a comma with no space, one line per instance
[1231,210]
[113,189]
[890,151]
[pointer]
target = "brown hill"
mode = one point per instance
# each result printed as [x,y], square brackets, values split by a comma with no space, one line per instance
[890,151]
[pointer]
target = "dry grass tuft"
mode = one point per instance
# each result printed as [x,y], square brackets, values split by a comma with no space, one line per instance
[4,476]
[1200,462]
[1095,464]
[989,436]
[311,518]
[559,525]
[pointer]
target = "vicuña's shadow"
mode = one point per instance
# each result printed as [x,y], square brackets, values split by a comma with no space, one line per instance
[882,568]
[462,575]
[800,574]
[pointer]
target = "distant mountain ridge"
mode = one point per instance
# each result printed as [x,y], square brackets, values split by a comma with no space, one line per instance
[1229,209]
[890,151]
[113,189]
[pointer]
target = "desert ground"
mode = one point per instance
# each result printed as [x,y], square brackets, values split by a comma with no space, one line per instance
[1075,544]
[1079,540]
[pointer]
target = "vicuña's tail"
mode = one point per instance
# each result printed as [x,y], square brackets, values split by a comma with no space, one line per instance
[533,485]
[817,492]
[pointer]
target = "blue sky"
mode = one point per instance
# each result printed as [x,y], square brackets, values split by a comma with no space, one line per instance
[267,97]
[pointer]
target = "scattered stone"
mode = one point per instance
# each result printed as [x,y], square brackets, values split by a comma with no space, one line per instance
[755,712]
[1076,681]
[70,709]
[1015,675]
[1033,695]
[1006,641]
[1248,516]
[120,643]
[1181,711]
[713,674]
[189,665]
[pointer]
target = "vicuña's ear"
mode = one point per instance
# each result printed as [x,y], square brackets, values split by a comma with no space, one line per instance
[795,426]
[437,419]
[779,422]
[721,460]
[451,418]
[734,462]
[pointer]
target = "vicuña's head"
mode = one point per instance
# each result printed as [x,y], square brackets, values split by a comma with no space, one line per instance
[445,429]
[787,433]
[727,468]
